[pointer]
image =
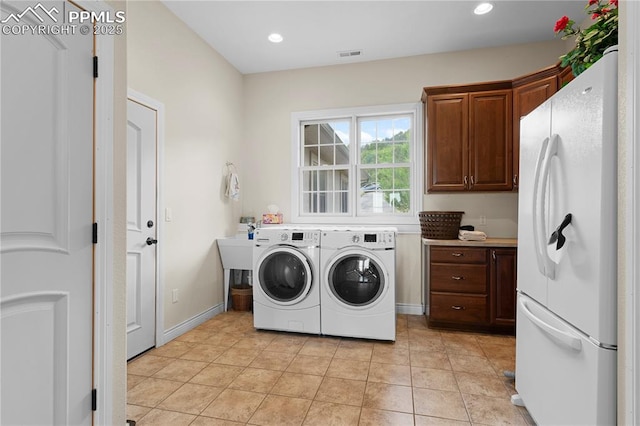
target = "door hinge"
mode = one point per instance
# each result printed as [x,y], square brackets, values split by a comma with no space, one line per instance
[95,67]
[94,238]
[94,399]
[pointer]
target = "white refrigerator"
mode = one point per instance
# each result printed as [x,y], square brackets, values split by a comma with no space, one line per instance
[567,207]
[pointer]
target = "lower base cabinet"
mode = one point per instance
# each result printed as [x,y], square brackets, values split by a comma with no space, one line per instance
[472,288]
[503,287]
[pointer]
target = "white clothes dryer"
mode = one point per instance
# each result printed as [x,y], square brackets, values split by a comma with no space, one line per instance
[358,283]
[286,293]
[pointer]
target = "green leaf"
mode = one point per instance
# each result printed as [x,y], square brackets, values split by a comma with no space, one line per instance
[589,35]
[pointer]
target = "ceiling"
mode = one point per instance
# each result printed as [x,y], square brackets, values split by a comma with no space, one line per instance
[315,31]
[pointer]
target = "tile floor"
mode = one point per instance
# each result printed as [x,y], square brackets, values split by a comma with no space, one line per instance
[224,372]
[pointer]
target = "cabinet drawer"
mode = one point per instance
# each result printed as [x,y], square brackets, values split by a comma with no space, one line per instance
[458,308]
[458,278]
[458,255]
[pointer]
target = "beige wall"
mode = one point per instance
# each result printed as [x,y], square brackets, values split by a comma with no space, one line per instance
[270,98]
[202,96]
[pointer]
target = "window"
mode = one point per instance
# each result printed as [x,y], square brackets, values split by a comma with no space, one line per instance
[357,166]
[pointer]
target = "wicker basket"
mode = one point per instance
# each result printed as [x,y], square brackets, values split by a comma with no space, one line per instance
[440,225]
[242,297]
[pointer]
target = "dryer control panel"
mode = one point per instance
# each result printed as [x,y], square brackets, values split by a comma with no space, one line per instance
[383,239]
[372,239]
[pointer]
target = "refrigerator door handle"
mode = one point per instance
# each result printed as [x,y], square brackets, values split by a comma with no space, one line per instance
[552,150]
[560,336]
[536,205]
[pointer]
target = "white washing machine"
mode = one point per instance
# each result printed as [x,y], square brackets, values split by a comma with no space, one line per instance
[358,283]
[286,293]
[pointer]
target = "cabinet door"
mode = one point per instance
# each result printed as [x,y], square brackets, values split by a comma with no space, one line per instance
[525,99]
[447,118]
[503,286]
[490,135]
[565,76]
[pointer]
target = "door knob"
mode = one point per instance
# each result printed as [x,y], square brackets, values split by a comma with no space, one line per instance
[151,241]
[150,224]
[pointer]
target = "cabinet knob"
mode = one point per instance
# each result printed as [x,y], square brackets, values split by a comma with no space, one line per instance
[457,278]
[457,308]
[473,182]
[456,254]
[466,181]
[515,181]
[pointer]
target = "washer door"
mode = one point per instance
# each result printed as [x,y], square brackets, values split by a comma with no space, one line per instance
[285,275]
[357,279]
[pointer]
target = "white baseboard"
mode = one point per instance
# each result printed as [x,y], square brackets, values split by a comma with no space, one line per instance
[409,309]
[190,324]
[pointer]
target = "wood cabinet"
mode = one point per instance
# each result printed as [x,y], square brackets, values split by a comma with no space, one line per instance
[503,286]
[472,288]
[469,132]
[564,76]
[448,135]
[458,286]
[473,131]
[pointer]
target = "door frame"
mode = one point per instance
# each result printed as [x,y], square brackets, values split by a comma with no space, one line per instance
[103,301]
[157,106]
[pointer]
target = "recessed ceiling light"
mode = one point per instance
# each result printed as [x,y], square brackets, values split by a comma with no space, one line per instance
[483,8]
[275,38]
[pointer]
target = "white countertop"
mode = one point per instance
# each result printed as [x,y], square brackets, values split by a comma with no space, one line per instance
[489,242]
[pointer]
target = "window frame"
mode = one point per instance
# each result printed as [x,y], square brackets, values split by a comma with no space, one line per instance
[406,223]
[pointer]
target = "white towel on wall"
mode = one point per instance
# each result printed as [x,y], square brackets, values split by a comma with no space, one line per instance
[233,186]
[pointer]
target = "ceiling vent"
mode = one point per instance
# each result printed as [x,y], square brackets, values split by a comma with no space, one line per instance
[349,53]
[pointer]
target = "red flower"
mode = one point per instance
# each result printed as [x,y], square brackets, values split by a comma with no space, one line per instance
[561,24]
[592,2]
[595,15]
[614,3]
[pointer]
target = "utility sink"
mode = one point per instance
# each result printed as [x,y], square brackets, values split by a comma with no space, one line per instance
[236,253]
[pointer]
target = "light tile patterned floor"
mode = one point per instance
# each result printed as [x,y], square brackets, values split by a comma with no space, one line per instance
[224,372]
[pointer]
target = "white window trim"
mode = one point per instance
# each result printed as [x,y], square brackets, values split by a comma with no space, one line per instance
[404,224]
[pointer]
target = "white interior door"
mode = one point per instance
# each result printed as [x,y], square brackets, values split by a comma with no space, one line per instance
[46,250]
[141,227]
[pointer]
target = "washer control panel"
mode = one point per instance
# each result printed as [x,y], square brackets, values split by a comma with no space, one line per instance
[292,237]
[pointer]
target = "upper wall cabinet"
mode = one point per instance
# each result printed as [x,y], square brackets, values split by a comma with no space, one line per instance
[469,137]
[565,76]
[473,131]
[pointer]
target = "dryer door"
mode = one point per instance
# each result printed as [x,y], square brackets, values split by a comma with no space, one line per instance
[357,279]
[285,275]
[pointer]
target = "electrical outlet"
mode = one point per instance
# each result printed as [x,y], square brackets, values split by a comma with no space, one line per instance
[174,295]
[483,220]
